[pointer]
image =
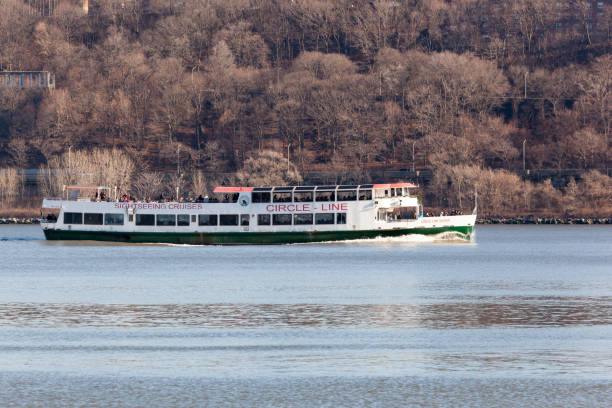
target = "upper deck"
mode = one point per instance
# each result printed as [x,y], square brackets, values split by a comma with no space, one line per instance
[224,189]
[228,194]
[280,201]
[301,194]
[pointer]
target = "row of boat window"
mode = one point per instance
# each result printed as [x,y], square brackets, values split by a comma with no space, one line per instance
[205,219]
[93,218]
[310,196]
[301,219]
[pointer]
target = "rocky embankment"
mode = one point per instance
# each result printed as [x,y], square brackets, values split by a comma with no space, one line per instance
[530,219]
[19,220]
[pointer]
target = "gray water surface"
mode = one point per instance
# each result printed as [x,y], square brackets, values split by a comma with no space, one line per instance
[520,317]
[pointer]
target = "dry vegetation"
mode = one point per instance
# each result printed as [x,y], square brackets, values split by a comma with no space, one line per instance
[349,86]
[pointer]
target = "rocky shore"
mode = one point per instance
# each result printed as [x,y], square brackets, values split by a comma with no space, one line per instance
[531,219]
[19,220]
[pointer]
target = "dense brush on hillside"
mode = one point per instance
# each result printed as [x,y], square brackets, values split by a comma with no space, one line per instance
[338,85]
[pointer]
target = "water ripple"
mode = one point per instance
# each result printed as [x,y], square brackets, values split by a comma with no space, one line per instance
[473,312]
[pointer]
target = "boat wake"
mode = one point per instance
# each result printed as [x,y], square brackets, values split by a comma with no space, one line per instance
[449,237]
[444,237]
[454,236]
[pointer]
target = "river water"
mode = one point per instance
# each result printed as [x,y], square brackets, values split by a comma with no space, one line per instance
[522,316]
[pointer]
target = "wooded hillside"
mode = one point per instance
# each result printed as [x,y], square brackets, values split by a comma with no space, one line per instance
[338,85]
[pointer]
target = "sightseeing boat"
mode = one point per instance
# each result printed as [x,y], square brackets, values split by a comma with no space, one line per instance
[249,215]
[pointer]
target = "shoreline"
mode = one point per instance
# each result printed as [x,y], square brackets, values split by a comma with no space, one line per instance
[518,220]
[543,220]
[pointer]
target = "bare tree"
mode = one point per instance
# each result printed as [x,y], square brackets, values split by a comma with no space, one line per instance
[532,19]
[148,185]
[590,146]
[375,23]
[248,48]
[18,148]
[171,102]
[584,10]
[198,183]
[213,155]
[596,101]
[11,184]
[462,83]
[100,167]
[268,168]
[596,191]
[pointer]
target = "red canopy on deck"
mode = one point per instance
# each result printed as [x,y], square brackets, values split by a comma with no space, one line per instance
[395,185]
[232,189]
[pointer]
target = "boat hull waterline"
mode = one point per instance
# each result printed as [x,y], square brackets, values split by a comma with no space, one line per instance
[246,238]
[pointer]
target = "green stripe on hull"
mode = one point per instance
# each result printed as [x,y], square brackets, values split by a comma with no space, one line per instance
[243,238]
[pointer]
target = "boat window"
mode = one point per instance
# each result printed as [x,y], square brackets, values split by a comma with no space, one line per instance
[260,197]
[244,220]
[347,195]
[93,219]
[182,220]
[403,213]
[131,218]
[324,218]
[193,218]
[325,196]
[73,218]
[50,214]
[263,219]
[302,196]
[380,193]
[341,218]
[207,219]
[113,219]
[281,219]
[145,219]
[166,220]
[365,194]
[302,219]
[228,219]
[282,197]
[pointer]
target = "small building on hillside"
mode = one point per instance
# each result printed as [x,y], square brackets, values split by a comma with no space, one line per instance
[27,79]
